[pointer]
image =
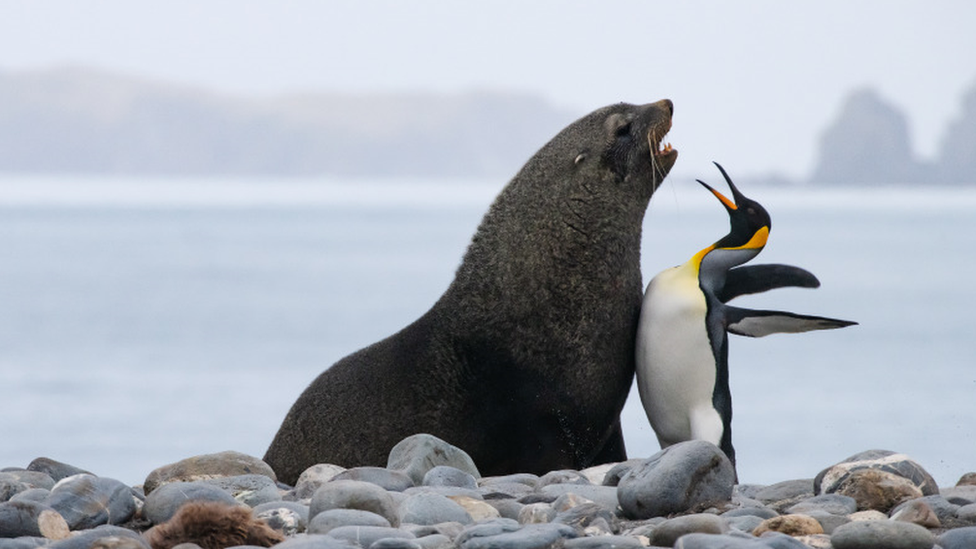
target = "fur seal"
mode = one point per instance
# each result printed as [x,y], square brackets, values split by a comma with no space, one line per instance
[526,360]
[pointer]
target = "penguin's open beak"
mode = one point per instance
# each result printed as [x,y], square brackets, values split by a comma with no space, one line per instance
[729,205]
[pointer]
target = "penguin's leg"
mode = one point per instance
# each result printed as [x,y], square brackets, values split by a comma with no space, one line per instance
[706,424]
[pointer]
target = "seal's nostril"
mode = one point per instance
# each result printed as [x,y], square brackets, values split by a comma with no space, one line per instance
[670,106]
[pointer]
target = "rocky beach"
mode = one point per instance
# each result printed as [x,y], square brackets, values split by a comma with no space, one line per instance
[430,496]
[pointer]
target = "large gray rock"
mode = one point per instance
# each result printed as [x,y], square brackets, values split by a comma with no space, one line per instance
[208,466]
[30,518]
[430,508]
[55,469]
[958,538]
[367,535]
[325,521]
[676,479]
[87,501]
[395,481]
[832,478]
[417,454]
[251,490]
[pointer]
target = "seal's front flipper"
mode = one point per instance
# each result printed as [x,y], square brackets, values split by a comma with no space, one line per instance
[753,279]
[751,323]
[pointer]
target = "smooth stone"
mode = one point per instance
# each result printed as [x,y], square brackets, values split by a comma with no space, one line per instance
[434,541]
[288,517]
[251,490]
[877,489]
[602,495]
[446,491]
[55,469]
[23,542]
[668,532]
[393,481]
[32,494]
[367,535]
[967,513]
[507,508]
[944,509]
[10,486]
[744,523]
[816,541]
[449,529]
[28,518]
[597,473]
[958,538]
[791,525]
[102,537]
[486,529]
[786,490]
[588,519]
[868,515]
[564,476]
[395,543]
[828,480]
[968,479]
[445,475]
[325,521]
[829,522]
[676,479]
[835,504]
[33,479]
[761,512]
[417,454]
[965,493]
[603,542]
[917,512]
[531,536]
[536,513]
[476,508]
[354,494]
[428,508]
[164,501]
[528,479]
[316,541]
[86,501]
[206,467]
[505,490]
[730,541]
[617,472]
[889,534]
[313,478]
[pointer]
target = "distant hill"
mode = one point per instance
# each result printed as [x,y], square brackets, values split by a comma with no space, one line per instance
[83,121]
[870,144]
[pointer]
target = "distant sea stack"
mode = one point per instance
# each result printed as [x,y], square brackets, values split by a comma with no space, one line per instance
[868,144]
[957,151]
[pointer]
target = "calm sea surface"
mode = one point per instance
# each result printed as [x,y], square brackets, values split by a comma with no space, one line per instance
[144,322]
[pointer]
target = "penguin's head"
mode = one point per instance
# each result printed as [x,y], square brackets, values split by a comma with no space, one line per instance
[749,229]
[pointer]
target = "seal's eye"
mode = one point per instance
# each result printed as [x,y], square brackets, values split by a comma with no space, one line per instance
[623,131]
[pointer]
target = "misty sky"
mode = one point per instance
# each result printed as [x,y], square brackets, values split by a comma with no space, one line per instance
[754,83]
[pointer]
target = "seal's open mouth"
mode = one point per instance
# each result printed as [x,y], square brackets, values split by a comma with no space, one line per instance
[655,141]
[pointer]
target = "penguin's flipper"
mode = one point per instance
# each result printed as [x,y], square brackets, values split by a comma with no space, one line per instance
[752,323]
[753,279]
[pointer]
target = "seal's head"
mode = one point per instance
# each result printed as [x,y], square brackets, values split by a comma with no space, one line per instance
[625,142]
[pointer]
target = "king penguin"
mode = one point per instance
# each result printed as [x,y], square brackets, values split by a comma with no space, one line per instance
[682,336]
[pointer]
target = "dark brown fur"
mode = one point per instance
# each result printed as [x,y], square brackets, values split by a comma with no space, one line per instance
[212,525]
[526,361]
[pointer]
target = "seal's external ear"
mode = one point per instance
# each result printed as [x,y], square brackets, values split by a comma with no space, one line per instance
[580,158]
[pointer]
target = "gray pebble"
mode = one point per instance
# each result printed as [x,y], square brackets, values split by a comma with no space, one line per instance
[353,494]
[831,478]
[287,517]
[676,479]
[55,469]
[603,542]
[565,476]
[881,533]
[207,466]
[316,541]
[532,536]
[325,521]
[23,542]
[712,541]
[834,504]
[33,479]
[417,454]
[10,486]
[86,501]
[588,519]
[32,494]
[367,535]
[429,508]
[829,522]
[163,502]
[783,491]
[945,510]
[395,543]
[513,490]
[30,518]
[613,476]
[445,475]
[967,513]
[312,479]
[507,508]
[668,532]
[434,541]
[761,512]
[744,523]
[960,495]
[536,513]
[394,481]
[103,537]
[528,479]
[251,490]
[959,538]
[605,496]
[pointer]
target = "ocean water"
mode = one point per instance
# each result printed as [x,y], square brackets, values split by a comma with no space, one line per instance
[142,322]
